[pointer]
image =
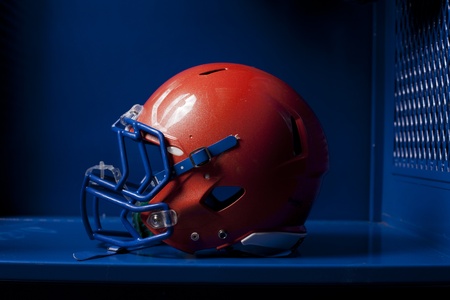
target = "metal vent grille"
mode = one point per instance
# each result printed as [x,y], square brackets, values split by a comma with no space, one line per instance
[422,94]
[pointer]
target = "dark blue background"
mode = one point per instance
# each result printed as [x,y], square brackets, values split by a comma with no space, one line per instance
[71,68]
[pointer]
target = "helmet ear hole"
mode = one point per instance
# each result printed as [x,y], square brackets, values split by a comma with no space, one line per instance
[223,196]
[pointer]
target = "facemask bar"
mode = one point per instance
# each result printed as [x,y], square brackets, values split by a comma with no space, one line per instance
[107,183]
[114,189]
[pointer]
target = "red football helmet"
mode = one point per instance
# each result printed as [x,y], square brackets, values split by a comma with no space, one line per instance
[237,163]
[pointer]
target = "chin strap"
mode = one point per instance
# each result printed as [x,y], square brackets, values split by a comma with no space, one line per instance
[86,255]
[202,156]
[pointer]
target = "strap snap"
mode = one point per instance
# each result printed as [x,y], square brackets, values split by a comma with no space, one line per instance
[200,156]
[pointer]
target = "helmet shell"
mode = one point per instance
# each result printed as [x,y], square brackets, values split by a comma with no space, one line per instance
[270,180]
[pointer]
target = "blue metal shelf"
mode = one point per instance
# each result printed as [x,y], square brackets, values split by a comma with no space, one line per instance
[337,252]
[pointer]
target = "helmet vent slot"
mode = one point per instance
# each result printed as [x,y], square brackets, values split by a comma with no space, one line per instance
[212,71]
[296,138]
[223,196]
